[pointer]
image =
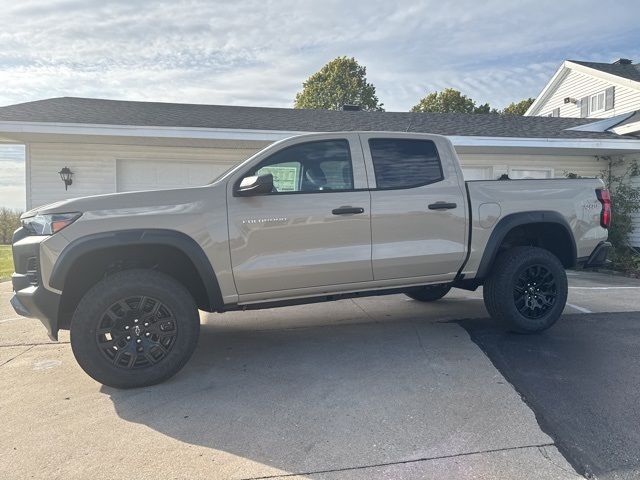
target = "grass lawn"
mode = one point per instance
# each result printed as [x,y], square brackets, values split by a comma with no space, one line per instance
[6,262]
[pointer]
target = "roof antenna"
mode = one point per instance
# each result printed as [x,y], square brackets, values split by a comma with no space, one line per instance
[409,126]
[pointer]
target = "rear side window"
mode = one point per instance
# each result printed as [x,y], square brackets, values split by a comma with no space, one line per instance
[405,163]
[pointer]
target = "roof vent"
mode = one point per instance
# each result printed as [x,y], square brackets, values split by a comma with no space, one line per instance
[622,61]
[351,108]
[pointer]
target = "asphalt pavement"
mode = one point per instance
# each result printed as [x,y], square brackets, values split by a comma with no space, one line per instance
[582,380]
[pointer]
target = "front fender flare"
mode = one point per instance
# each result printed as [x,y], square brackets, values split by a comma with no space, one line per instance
[172,238]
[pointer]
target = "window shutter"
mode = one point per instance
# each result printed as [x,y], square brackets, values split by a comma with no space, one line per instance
[584,107]
[609,94]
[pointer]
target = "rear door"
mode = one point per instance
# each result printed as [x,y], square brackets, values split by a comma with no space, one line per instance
[418,213]
[314,230]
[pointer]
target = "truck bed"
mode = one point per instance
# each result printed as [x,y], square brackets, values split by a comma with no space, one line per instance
[493,200]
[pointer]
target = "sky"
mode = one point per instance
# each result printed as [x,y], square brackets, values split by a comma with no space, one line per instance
[259,52]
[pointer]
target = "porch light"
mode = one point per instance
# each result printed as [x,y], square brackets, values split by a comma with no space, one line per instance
[66,175]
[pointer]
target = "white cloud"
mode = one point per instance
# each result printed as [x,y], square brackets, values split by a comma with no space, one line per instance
[259,52]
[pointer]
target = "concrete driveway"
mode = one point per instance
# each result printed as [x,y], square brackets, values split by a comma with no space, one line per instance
[372,388]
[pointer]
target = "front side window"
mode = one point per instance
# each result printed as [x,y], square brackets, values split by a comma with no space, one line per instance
[405,163]
[322,166]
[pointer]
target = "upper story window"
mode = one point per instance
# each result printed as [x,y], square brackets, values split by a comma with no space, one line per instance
[405,163]
[320,166]
[599,102]
[596,102]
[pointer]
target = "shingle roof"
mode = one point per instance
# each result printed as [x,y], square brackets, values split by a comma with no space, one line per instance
[153,114]
[628,71]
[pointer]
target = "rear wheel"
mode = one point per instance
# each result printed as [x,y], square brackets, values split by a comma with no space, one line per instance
[526,290]
[134,328]
[428,293]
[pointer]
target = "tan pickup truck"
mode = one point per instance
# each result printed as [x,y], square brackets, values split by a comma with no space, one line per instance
[308,219]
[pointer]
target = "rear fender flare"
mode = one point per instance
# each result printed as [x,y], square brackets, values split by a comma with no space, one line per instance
[508,223]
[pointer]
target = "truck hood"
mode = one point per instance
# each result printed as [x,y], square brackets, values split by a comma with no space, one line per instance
[116,201]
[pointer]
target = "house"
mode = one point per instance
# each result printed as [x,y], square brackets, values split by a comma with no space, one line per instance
[117,146]
[590,90]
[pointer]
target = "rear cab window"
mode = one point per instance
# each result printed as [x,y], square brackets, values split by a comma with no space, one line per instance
[405,163]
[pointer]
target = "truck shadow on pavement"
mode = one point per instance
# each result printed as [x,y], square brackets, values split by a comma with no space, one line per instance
[337,396]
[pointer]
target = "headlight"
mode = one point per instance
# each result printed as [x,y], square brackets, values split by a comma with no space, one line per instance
[49,224]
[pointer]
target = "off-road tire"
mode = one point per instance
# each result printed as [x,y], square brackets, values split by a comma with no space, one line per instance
[503,289]
[428,293]
[177,309]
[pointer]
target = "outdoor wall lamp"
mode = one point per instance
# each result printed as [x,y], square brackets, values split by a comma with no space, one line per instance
[65,175]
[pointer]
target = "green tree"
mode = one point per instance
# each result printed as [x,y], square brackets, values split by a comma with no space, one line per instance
[518,108]
[9,222]
[340,82]
[450,101]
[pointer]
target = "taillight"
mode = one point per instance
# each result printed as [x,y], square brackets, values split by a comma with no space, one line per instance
[605,199]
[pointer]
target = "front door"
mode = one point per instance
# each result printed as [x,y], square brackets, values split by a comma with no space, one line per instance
[418,221]
[313,230]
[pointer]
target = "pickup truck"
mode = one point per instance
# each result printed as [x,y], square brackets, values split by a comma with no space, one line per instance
[312,218]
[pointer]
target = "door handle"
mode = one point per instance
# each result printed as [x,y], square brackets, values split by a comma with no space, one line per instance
[442,206]
[347,210]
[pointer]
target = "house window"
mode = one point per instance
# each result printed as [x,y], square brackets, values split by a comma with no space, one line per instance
[596,103]
[530,172]
[477,173]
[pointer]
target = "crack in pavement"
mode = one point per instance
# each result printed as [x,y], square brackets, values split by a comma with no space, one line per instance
[16,356]
[401,462]
[35,344]
[547,457]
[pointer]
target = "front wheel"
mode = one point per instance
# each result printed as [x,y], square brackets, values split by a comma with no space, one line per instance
[134,328]
[526,290]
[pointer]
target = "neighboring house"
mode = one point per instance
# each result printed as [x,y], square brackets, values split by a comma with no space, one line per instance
[608,92]
[590,90]
[117,146]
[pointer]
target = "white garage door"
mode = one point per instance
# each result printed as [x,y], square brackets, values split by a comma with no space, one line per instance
[133,175]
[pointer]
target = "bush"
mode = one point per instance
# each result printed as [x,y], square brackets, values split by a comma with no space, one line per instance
[625,198]
[9,222]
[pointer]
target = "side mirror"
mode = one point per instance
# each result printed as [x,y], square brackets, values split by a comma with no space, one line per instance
[255,185]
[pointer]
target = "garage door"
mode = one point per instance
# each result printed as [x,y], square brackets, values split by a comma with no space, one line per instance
[133,175]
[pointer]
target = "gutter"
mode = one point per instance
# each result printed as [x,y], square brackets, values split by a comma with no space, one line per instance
[274,135]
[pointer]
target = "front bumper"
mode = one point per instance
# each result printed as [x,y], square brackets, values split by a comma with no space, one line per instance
[37,302]
[598,257]
[30,298]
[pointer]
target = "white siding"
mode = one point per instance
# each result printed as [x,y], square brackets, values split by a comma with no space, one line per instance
[578,85]
[583,165]
[94,165]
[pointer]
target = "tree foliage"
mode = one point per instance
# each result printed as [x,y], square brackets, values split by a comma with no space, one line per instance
[340,82]
[518,108]
[625,199]
[9,222]
[450,100]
